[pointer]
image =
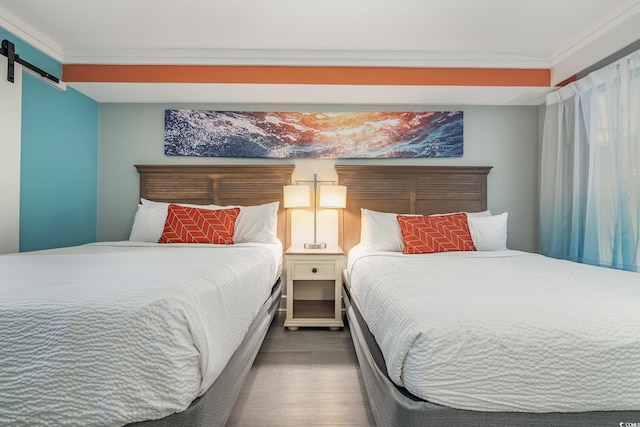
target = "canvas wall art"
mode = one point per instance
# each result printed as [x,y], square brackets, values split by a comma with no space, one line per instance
[281,135]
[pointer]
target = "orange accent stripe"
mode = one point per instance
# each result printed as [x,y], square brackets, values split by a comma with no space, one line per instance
[567,81]
[306,75]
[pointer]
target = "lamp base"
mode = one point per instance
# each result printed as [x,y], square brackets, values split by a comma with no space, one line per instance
[315,245]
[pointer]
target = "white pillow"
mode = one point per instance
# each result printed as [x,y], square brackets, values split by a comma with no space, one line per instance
[255,224]
[478,214]
[489,233]
[148,223]
[380,231]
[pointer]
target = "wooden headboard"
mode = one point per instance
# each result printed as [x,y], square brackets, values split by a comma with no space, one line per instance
[408,189]
[220,185]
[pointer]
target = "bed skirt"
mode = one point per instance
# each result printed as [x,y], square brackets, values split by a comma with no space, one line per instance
[213,408]
[395,406]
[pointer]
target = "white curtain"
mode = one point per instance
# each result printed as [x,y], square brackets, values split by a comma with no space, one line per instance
[590,186]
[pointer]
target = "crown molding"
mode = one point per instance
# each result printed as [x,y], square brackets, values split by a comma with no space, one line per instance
[617,21]
[30,35]
[614,32]
[355,58]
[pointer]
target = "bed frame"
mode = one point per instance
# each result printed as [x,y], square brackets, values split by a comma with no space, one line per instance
[427,190]
[221,185]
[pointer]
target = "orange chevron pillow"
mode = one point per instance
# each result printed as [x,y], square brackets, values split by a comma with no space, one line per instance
[194,225]
[438,233]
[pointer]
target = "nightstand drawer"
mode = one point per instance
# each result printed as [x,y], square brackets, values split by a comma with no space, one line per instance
[313,270]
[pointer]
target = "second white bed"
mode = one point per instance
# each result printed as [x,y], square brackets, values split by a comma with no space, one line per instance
[504,330]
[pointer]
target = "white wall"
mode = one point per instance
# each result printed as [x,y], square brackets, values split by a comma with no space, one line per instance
[10,126]
[503,137]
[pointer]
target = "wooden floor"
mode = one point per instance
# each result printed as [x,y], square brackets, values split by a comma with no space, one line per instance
[308,377]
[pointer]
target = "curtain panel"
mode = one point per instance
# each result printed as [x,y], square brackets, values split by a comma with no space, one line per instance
[589,185]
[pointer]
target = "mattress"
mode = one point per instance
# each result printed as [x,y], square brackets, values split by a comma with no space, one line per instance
[503,331]
[112,333]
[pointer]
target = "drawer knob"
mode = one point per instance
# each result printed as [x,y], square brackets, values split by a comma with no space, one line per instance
[314,270]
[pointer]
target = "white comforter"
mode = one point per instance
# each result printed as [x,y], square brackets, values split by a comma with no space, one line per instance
[107,334]
[503,331]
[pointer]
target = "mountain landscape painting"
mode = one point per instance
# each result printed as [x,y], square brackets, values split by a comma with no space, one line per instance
[282,135]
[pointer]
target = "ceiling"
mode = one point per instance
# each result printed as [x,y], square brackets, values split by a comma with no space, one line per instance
[562,36]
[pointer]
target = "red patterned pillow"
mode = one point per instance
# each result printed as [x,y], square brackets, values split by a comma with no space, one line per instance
[194,225]
[438,233]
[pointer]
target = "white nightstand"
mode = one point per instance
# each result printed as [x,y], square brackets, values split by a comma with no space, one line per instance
[314,282]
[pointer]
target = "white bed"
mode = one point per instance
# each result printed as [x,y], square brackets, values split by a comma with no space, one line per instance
[485,337]
[141,333]
[503,330]
[77,322]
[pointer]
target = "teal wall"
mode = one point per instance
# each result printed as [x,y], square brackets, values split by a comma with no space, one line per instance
[59,167]
[59,159]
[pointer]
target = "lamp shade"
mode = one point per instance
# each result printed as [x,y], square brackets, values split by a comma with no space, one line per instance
[333,196]
[297,196]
